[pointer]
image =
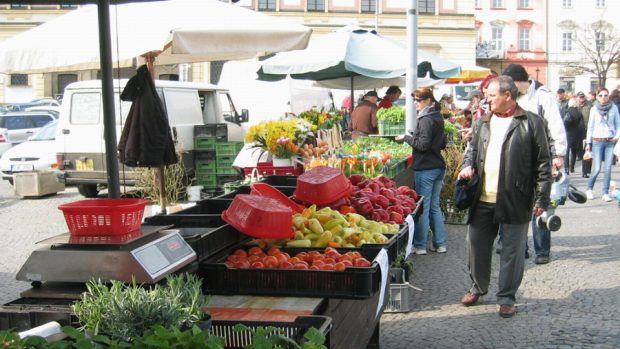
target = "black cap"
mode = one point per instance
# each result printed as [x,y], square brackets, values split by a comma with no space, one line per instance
[516,72]
[371,94]
[581,94]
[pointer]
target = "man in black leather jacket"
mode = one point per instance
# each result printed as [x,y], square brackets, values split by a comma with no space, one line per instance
[511,154]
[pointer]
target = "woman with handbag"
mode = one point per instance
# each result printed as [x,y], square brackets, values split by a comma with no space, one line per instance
[602,135]
[429,166]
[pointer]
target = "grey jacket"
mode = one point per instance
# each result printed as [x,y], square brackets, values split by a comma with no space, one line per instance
[525,168]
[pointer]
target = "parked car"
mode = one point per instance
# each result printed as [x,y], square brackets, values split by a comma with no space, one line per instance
[33,103]
[36,154]
[17,127]
[49,108]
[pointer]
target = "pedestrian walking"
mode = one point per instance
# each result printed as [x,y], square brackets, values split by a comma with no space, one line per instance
[584,107]
[575,132]
[429,166]
[536,98]
[507,141]
[602,135]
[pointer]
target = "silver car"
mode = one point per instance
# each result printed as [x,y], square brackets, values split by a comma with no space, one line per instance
[17,127]
[37,154]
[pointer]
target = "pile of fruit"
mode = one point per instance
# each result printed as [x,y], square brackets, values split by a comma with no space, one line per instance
[328,227]
[330,260]
[380,200]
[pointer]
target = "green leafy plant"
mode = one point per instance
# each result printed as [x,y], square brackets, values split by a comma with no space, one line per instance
[393,115]
[175,182]
[127,311]
[453,156]
[404,263]
[272,337]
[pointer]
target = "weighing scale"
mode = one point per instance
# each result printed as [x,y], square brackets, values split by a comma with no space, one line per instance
[146,256]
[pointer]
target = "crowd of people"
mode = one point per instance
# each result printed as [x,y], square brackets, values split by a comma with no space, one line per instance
[520,138]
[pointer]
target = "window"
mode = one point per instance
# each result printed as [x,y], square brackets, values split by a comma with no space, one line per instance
[600,3]
[600,41]
[19,79]
[85,108]
[316,5]
[567,3]
[497,38]
[426,7]
[19,7]
[567,42]
[67,6]
[497,3]
[266,5]
[478,4]
[524,39]
[17,123]
[524,3]
[369,5]
[40,120]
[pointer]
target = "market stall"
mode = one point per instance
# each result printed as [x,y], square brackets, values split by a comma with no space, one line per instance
[199,241]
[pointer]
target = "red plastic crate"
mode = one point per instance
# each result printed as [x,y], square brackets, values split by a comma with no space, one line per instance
[104,216]
[267,169]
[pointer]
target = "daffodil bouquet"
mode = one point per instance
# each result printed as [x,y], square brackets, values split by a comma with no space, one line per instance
[281,138]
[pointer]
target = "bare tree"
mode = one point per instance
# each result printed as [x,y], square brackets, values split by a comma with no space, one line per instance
[599,45]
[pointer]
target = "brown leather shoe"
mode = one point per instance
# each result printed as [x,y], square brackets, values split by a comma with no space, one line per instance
[469,299]
[507,311]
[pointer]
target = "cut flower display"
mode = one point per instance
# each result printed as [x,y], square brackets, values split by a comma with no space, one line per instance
[281,138]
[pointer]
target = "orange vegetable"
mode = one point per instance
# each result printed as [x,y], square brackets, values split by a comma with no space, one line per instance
[344,209]
[333,244]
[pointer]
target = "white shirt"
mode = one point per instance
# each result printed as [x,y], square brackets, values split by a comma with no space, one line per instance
[551,113]
[493,158]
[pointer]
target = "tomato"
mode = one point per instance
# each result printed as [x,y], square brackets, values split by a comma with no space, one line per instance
[255,251]
[232,258]
[301,266]
[362,262]
[332,254]
[242,264]
[345,257]
[303,256]
[327,249]
[241,253]
[295,260]
[329,261]
[313,254]
[318,262]
[257,265]
[347,262]
[327,267]
[286,265]
[354,255]
[271,262]
[281,257]
[253,258]
[314,267]
[273,251]
[339,266]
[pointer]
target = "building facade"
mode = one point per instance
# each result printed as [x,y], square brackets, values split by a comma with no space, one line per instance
[445,28]
[512,31]
[573,24]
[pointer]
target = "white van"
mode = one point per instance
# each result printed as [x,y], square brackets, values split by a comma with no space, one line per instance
[79,135]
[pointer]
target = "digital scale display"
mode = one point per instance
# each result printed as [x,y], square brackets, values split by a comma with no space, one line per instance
[163,254]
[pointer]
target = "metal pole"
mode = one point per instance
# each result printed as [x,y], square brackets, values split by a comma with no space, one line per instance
[107,92]
[412,67]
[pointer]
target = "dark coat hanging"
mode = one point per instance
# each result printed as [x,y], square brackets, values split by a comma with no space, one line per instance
[146,140]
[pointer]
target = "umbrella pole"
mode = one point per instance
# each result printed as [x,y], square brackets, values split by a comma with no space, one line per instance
[160,178]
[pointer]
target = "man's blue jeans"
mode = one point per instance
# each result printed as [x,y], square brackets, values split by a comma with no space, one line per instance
[428,183]
[601,151]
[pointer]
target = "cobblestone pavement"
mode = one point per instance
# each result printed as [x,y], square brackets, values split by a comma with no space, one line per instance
[572,302]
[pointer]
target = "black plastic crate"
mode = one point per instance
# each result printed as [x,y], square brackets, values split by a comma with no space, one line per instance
[186,220]
[246,189]
[207,241]
[353,282]
[204,155]
[293,330]
[280,180]
[211,130]
[25,313]
[227,178]
[207,206]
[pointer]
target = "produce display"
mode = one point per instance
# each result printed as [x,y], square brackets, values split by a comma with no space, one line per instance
[328,227]
[380,200]
[274,258]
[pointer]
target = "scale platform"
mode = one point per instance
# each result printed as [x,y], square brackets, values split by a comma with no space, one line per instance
[146,255]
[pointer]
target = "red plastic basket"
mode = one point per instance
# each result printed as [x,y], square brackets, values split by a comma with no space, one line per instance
[103,216]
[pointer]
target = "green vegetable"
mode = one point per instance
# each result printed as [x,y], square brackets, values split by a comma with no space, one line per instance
[393,115]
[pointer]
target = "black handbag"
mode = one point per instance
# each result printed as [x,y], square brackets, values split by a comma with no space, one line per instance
[465,191]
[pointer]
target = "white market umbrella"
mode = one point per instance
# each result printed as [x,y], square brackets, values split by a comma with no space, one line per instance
[174,31]
[366,83]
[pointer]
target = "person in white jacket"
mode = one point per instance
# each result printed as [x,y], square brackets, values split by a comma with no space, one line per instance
[536,98]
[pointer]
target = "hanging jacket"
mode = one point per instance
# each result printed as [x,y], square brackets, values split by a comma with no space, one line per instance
[146,140]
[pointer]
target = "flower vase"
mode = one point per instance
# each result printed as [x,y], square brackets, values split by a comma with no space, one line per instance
[282,162]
